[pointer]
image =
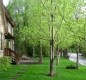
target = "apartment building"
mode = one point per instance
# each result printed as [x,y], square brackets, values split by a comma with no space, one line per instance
[6,33]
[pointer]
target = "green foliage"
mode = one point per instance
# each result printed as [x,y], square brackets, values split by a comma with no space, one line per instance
[34,23]
[32,31]
[5,63]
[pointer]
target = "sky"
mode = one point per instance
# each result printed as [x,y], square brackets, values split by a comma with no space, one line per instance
[5,2]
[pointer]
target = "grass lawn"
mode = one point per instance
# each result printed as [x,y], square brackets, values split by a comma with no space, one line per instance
[40,71]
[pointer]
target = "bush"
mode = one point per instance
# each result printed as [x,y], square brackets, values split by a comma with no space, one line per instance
[71,67]
[5,63]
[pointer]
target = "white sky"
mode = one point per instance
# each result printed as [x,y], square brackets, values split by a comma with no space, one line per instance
[5,2]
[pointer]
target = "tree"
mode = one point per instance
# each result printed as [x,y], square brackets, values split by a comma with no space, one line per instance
[46,23]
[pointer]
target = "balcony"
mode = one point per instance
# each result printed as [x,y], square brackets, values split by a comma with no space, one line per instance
[8,36]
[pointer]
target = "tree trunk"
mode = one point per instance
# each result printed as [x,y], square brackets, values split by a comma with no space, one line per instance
[51,58]
[33,51]
[65,53]
[52,40]
[51,68]
[57,57]
[40,55]
[51,50]
[77,60]
[61,53]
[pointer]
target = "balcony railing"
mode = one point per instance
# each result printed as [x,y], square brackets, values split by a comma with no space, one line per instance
[9,52]
[8,36]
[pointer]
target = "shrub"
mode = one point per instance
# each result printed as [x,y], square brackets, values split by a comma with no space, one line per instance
[71,67]
[5,63]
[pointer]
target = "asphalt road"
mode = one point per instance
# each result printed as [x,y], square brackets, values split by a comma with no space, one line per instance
[72,57]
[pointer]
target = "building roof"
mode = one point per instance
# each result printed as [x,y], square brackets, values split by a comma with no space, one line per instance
[8,17]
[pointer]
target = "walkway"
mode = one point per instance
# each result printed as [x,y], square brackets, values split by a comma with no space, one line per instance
[27,60]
